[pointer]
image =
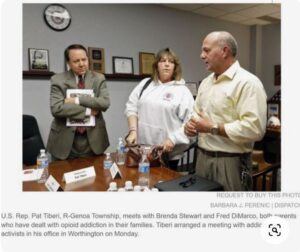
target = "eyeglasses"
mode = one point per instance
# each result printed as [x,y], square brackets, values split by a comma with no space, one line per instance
[188,183]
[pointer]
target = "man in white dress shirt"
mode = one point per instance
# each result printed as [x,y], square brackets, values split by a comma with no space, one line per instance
[229,115]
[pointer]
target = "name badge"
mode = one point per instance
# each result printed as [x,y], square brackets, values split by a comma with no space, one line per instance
[114,171]
[78,175]
[52,185]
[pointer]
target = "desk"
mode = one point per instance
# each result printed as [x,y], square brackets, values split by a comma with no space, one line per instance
[102,179]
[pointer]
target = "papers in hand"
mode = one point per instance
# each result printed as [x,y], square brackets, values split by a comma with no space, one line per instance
[32,174]
[88,120]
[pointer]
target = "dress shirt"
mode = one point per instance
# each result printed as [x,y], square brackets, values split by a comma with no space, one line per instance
[236,99]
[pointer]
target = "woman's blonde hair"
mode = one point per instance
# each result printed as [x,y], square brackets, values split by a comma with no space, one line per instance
[171,56]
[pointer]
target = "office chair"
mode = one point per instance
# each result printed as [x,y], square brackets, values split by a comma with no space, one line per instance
[266,179]
[32,140]
[188,161]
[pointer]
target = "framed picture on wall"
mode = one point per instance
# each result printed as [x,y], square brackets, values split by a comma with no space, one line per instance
[122,65]
[38,59]
[273,110]
[146,61]
[96,59]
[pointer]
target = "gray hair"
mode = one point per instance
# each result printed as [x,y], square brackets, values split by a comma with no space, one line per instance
[226,39]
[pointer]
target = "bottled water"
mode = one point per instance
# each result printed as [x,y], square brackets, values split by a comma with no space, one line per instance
[112,187]
[128,186]
[120,152]
[107,163]
[144,169]
[42,163]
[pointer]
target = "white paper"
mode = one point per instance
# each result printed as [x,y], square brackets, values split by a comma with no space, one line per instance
[89,121]
[114,171]
[32,174]
[51,184]
[78,175]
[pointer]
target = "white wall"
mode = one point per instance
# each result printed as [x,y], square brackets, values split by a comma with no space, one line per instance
[122,30]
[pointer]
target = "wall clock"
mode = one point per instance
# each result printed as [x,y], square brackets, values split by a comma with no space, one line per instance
[57,17]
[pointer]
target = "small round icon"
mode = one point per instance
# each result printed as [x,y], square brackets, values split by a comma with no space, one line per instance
[274,230]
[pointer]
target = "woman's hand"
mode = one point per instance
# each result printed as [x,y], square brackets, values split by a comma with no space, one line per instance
[132,137]
[168,145]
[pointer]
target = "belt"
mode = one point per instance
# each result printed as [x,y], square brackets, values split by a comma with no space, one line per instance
[220,153]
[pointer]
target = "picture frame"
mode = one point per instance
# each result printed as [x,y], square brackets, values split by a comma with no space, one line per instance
[192,86]
[273,110]
[122,65]
[146,61]
[38,59]
[96,59]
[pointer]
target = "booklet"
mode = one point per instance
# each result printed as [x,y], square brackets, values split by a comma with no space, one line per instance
[88,121]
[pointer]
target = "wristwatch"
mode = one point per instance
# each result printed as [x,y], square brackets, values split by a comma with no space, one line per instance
[214,130]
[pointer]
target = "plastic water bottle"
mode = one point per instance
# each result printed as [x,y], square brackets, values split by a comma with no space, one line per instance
[42,163]
[120,152]
[128,186]
[144,169]
[108,162]
[112,187]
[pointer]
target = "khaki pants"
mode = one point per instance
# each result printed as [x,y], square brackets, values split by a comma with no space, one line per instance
[233,173]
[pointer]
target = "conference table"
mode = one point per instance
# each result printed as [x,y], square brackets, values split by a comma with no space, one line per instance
[103,177]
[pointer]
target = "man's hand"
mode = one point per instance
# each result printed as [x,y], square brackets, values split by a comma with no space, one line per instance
[189,129]
[94,112]
[70,100]
[197,124]
[202,123]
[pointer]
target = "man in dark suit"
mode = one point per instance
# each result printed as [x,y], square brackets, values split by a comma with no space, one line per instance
[67,142]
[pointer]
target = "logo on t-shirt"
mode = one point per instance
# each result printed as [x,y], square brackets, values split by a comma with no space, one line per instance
[168,96]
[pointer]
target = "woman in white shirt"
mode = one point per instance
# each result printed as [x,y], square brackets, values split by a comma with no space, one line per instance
[156,114]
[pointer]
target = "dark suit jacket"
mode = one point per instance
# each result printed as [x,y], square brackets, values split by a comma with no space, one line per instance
[61,137]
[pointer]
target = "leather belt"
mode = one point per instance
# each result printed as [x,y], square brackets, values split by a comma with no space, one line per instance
[219,153]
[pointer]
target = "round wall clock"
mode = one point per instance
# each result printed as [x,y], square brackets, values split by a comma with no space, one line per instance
[57,17]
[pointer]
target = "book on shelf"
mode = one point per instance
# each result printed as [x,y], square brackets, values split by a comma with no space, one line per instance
[88,121]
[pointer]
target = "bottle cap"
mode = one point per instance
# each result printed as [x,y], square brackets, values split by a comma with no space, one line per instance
[107,154]
[146,189]
[112,185]
[128,184]
[154,190]
[42,150]
[137,188]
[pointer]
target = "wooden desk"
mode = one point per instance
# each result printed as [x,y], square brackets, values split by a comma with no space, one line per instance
[103,177]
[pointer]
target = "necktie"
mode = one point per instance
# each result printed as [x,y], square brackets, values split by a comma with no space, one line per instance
[81,129]
[80,82]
